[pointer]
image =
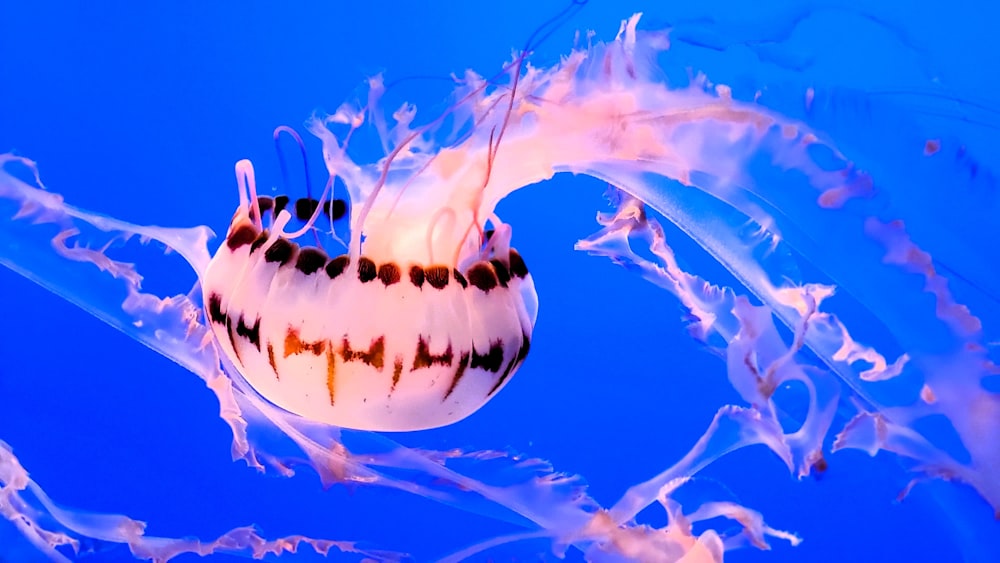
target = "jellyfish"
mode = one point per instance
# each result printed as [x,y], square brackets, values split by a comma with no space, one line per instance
[448,349]
[428,311]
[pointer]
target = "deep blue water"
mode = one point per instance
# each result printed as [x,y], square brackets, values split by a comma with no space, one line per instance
[140,110]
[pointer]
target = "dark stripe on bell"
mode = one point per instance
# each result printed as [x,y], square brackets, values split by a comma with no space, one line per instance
[437,276]
[270,360]
[517,266]
[264,203]
[374,357]
[259,241]
[215,313]
[305,207]
[335,209]
[281,251]
[232,339]
[280,203]
[337,266]
[463,363]
[490,361]
[366,270]
[522,352]
[295,345]
[506,373]
[251,333]
[460,279]
[310,260]
[397,371]
[388,273]
[482,276]
[516,361]
[417,276]
[242,236]
[503,275]
[423,358]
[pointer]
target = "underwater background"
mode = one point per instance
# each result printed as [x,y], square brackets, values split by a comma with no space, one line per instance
[139,110]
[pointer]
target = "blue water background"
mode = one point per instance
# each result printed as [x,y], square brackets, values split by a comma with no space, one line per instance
[140,110]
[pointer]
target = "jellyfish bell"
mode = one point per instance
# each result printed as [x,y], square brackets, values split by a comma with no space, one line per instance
[418,328]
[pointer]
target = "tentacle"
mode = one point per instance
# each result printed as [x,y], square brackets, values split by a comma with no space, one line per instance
[247,183]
